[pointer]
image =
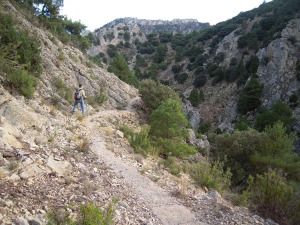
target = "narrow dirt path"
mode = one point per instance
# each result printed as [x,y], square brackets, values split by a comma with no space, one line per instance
[163,205]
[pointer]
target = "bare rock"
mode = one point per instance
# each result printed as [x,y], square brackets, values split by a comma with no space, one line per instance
[60,167]
[120,134]
[30,171]
[21,221]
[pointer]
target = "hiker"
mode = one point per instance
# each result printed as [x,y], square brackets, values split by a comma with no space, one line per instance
[78,97]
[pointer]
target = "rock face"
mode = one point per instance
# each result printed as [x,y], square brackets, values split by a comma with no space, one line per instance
[278,61]
[157,26]
[276,71]
[138,29]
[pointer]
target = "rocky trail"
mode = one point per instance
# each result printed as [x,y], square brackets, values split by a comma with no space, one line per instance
[165,207]
[160,197]
[52,171]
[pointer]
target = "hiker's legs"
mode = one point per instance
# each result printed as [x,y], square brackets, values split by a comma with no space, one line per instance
[82,106]
[75,105]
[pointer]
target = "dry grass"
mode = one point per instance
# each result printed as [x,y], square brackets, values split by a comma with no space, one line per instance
[84,145]
[138,158]
[80,118]
[77,157]
[182,187]
[89,187]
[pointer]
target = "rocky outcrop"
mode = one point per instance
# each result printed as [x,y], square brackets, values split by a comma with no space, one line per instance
[157,26]
[277,65]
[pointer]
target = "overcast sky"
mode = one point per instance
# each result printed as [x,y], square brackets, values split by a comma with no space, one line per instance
[96,13]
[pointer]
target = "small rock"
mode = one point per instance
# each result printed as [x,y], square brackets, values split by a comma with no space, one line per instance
[14,177]
[34,222]
[271,222]
[56,158]
[124,204]
[21,221]
[1,131]
[120,134]
[26,161]
[42,211]
[9,203]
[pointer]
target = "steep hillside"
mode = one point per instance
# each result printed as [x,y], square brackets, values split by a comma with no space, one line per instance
[217,61]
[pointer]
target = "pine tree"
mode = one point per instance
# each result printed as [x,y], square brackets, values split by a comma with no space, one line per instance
[120,67]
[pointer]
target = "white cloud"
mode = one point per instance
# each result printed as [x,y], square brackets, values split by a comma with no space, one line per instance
[95,13]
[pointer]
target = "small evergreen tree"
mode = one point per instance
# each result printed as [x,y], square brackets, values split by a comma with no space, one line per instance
[250,96]
[168,129]
[278,112]
[196,97]
[120,67]
[168,120]
[154,93]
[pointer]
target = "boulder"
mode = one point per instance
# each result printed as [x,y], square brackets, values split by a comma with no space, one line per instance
[60,167]
[30,171]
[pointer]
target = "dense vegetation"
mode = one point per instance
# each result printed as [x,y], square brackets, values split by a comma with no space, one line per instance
[46,13]
[20,60]
[257,161]
[275,16]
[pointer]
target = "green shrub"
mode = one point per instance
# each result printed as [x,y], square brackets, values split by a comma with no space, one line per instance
[112,51]
[212,176]
[196,97]
[154,93]
[177,68]
[120,68]
[250,96]
[168,120]
[59,216]
[181,77]
[92,215]
[219,57]
[62,90]
[98,99]
[235,150]
[243,124]
[173,147]
[160,53]
[278,112]
[29,53]
[200,80]
[97,60]
[171,165]
[141,141]
[127,131]
[24,82]
[89,214]
[269,194]
[20,56]
[55,101]
[252,65]
[203,127]
[277,152]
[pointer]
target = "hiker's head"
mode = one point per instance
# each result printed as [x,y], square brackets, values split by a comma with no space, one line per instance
[80,85]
